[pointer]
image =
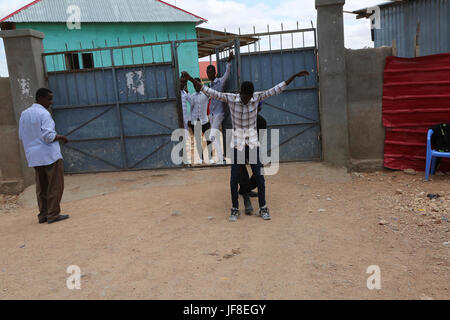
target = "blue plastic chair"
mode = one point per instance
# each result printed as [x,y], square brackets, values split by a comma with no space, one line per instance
[432,155]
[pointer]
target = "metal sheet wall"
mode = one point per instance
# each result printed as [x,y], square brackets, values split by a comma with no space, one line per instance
[399,22]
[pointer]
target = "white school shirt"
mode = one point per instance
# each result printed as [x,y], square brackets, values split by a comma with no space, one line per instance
[217,106]
[184,107]
[37,132]
[199,105]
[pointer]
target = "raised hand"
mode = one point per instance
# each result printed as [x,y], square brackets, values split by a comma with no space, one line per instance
[230,57]
[298,74]
[302,73]
[186,75]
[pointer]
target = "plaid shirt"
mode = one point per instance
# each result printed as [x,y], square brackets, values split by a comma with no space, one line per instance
[244,116]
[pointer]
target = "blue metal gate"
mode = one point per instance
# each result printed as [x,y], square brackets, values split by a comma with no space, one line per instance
[120,115]
[295,113]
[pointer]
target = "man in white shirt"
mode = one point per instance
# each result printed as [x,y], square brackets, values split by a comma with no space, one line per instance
[198,118]
[43,153]
[218,108]
[244,111]
[183,83]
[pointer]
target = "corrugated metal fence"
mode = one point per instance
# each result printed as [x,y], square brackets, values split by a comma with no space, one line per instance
[416,96]
[399,22]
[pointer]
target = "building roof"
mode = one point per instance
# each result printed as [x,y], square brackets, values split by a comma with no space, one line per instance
[109,11]
[209,40]
[362,13]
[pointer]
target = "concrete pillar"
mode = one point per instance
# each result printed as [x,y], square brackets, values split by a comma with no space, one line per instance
[333,82]
[24,50]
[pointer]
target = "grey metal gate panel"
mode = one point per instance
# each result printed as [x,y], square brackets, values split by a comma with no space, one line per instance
[116,118]
[296,111]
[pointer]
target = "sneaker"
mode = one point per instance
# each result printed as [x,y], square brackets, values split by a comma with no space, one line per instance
[264,213]
[234,215]
[247,204]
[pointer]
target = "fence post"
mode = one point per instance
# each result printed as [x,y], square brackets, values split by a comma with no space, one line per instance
[24,49]
[333,82]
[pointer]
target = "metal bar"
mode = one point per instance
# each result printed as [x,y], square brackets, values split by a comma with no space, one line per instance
[304,61]
[295,136]
[85,82]
[92,156]
[237,51]
[87,122]
[290,124]
[270,53]
[278,51]
[287,111]
[165,80]
[177,84]
[75,79]
[183,41]
[95,80]
[260,64]
[293,58]
[117,68]
[151,154]
[250,63]
[156,100]
[281,55]
[143,75]
[118,137]
[148,118]
[119,116]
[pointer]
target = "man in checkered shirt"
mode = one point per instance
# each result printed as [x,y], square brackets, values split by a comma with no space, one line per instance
[244,110]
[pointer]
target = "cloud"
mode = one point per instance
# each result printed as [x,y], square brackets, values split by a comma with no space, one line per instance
[7,7]
[244,14]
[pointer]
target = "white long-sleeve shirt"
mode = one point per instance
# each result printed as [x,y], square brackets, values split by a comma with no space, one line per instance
[199,105]
[186,117]
[37,132]
[217,106]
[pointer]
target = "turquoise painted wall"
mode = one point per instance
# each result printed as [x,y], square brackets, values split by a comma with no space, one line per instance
[99,35]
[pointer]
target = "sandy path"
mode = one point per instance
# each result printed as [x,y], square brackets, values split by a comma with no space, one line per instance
[165,235]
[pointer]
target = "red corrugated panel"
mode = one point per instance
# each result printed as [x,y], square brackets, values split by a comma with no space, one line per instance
[416,96]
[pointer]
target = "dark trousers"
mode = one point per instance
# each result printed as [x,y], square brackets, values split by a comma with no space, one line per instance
[49,189]
[198,139]
[246,184]
[236,174]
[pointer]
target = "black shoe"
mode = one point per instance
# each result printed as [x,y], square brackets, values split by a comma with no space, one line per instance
[42,220]
[247,204]
[234,215]
[58,218]
[253,194]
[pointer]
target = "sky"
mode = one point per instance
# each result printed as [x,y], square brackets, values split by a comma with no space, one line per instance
[244,14]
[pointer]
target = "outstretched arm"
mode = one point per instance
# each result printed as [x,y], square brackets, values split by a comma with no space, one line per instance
[207,91]
[298,74]
[226,75]
[280,87]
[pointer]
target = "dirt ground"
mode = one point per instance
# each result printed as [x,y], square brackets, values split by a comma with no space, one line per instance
[165,235]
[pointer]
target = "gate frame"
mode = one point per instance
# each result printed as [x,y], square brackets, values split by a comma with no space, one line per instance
[232,39]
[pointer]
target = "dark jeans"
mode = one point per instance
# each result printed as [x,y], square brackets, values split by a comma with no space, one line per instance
[235,177]
[246,184]
[198,139]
